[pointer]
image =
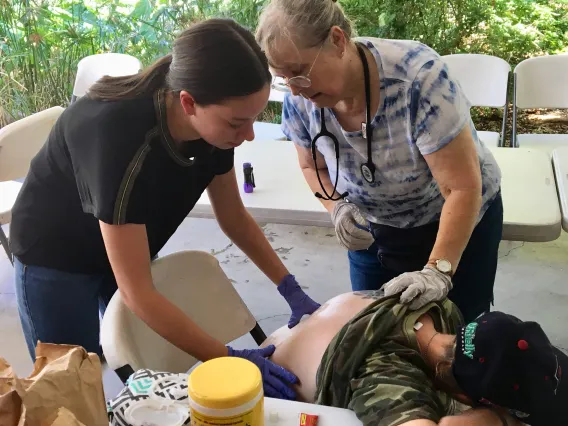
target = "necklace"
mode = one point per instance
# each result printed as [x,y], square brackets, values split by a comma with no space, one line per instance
[429,342]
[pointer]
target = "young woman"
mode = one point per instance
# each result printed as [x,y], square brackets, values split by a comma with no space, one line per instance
[120,171]
[413,193]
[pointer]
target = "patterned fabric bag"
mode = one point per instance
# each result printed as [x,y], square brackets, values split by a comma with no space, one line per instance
[169,389]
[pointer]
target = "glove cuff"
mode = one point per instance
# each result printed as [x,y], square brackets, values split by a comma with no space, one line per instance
[337,206]
[447,279]
[287,284]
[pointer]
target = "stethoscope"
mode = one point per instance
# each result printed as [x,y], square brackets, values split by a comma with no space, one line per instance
[368,168]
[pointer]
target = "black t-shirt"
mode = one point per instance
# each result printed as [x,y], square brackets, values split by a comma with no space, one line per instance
[109,161]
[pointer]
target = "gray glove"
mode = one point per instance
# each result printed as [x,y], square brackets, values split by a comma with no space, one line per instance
[351,228]
[420,287]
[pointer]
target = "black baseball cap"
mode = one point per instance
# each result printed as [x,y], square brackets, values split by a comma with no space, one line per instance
[505,362]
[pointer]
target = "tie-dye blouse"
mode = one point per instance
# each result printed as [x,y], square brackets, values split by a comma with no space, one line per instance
[422,109]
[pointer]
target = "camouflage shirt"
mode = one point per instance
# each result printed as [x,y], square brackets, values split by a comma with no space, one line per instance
[373,365]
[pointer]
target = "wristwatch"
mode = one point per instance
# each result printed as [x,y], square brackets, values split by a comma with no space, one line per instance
[442,265]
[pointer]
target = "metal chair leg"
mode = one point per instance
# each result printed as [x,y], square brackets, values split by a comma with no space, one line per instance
[6,244]
[124,373]
[258,334]
[505,114]
[514,142]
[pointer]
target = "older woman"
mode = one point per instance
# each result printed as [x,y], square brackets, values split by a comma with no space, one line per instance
[385,140]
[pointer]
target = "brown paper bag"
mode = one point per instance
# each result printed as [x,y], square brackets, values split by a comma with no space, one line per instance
[65,389]
[66,418]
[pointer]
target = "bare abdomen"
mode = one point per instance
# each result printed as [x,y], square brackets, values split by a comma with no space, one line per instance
[300,350]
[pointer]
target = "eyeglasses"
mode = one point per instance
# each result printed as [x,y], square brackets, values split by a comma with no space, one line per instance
[302,81]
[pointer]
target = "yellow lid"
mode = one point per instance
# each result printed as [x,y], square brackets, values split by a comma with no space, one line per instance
[226,382]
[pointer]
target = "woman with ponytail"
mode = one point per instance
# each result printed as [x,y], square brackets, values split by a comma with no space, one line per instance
[121,169]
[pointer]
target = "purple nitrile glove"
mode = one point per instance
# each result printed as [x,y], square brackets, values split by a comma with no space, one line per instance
[300,303]
[276,380]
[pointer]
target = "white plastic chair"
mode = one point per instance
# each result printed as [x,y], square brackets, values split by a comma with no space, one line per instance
[92,68]
[267,132]
[560,164]
[194,282]
[19,143]
[271,131]
[540,82]
[278,90]
[484,80]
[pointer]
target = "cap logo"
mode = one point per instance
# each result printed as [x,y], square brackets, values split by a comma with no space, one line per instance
[468,347]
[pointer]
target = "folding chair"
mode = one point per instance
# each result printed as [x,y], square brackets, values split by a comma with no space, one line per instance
[194,282]
[484,80]
[92,68]
[271,131]
[540,82]
[19,143]
[560,164]
[278,90]
[267,132]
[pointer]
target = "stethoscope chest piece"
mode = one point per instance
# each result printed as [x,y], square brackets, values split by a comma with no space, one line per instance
[368,172]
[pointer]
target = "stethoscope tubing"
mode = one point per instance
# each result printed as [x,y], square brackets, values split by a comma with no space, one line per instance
[368,168]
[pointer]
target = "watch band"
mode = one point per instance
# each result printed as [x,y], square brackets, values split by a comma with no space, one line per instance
[434,263]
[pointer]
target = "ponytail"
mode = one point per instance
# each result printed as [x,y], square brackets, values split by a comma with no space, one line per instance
[132,86]
[214,60]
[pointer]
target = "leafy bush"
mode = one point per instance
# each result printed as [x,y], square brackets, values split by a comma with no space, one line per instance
[441,24]
[519,29]
[511,29]
[41,41]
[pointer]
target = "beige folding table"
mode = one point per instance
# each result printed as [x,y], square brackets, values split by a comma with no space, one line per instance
[281,194]
[531,208]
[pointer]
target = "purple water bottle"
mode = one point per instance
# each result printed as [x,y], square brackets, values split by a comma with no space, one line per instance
[249,184]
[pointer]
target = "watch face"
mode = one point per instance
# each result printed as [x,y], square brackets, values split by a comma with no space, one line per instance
[444,266]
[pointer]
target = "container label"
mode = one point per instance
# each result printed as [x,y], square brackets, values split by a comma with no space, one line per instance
[254,417]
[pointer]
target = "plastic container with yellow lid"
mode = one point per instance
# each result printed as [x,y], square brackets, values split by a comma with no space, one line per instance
[226,391]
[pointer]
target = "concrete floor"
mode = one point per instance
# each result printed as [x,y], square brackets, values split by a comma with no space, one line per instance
[532,281]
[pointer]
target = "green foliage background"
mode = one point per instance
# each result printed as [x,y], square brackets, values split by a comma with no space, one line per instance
[41,41]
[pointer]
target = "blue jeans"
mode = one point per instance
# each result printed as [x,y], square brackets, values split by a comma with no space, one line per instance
[396,251]
[61,307]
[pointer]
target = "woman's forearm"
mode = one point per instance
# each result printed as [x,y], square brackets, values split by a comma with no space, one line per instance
[457,221]
[313,182]
[247,235]
[129,255]
[174,325]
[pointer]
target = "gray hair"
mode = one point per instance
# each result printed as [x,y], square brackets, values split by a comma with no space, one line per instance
[304,22]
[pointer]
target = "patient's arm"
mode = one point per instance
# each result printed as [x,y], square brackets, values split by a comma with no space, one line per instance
[479,417]
[474,417]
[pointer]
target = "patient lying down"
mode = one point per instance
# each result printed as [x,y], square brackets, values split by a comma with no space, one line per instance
[393,366]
